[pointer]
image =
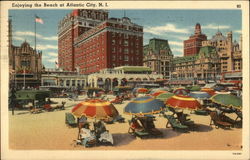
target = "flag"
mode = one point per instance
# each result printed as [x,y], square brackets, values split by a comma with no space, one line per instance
[39,20]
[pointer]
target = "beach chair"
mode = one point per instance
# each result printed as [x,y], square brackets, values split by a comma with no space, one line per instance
[70,120]
[201,112]
[215,120]
[47,107]
[175,124]
[61,106]
[137,131]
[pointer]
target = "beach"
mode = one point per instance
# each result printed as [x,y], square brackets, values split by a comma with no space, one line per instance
[48,131]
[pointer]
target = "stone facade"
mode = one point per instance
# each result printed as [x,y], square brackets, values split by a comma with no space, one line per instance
[230,51]
[158,56]
[204,66]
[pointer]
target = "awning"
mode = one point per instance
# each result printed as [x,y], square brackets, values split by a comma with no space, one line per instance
[233,75]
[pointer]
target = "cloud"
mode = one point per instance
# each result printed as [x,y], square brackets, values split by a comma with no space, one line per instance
[175,43]
[214,26]
[28,33]
[52,60]
[238,31]
[177,50]
[45,47]
[18,38]
[159,30]
[53,54]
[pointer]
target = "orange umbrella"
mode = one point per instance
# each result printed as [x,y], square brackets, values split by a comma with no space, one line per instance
[157,93]
[209,91]
[95,108]
[183,102]
[142,90]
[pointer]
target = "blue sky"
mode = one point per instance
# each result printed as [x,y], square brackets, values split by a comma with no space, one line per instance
[173,25]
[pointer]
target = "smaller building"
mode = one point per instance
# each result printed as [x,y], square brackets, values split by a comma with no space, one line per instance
[124,75]
[158,56]
[26,66]
[56,77]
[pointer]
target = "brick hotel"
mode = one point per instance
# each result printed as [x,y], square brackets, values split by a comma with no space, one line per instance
[90,41]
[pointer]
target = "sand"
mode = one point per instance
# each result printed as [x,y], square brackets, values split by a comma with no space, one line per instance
[48,131]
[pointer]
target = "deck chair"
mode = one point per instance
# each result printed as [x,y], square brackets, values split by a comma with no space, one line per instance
[70,120]
[175,124]
[215,120]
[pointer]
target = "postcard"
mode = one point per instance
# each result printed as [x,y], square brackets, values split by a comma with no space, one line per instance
[125,80]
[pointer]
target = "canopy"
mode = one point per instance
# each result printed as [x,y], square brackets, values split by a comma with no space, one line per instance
[32,94]
[208,90]
[158,93]
[144,106]
[181,91]
[200,95]
[227,100]
[183,102]
[95,108]
[164,96]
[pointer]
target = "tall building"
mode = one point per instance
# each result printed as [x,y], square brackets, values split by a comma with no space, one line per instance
[106,43]
[158,56]
[70,27]
[194,43]
[25,64]
[230,51]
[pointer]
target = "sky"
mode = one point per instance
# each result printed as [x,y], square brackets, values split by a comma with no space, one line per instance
[172,25]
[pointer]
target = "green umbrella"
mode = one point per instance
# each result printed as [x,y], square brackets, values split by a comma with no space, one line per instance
[227,100]
[195,88]
[164,96]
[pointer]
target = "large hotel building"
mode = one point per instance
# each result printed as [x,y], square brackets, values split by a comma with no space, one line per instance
[89,41]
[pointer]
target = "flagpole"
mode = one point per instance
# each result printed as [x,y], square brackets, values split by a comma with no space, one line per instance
[35,32]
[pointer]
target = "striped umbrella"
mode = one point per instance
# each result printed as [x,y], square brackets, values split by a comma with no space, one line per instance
[144,106]
[181,91]
[183,102]
[95,108]
[158,93]
[227,100]
[164,96]
[208,90]
[140,90]
[159,89]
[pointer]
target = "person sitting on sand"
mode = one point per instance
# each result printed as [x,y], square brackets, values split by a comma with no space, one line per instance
[86,135]
[135,126]
[99,128]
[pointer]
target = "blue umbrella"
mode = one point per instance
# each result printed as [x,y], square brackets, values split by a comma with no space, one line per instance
[219,88]
[200,95]
[144,106]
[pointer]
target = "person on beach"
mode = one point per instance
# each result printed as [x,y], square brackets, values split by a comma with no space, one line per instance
[81,122]
[87,137]
[135,126]
[99,128]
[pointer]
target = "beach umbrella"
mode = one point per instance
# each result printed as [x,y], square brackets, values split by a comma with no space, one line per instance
[159,89]
[140,90]
[219,88]
[227,100]
[208,90]
[164,96]
[183,102]
[200,95]
[195,88]
[144,106]
[158,93]
[181,91]
[95,108]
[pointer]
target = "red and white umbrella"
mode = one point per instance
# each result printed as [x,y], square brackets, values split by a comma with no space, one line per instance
[183,102]
[181,91]
[95,108]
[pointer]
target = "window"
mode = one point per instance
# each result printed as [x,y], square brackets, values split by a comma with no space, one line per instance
[113,42]
[113,50]
[126,50]
[126,58]
[126,43]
